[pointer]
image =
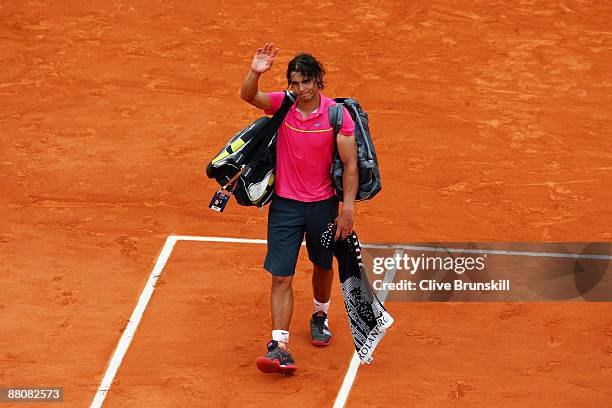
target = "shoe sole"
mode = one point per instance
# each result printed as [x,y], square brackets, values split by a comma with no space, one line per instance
[320,343]
[266,365]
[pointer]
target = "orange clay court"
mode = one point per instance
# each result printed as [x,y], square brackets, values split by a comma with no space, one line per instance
[491,122]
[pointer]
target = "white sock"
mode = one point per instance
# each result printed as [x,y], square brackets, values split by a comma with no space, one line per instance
[280,335]
[321,307]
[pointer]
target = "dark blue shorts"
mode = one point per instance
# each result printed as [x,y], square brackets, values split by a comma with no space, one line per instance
[288,221]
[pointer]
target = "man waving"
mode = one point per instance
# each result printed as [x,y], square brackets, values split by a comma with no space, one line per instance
[305,201]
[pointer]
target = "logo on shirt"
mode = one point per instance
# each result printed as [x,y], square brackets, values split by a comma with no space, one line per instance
[317,124]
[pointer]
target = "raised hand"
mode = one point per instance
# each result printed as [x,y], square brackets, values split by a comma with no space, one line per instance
[263,59]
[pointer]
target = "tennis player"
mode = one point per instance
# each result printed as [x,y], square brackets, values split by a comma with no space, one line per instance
[305,201]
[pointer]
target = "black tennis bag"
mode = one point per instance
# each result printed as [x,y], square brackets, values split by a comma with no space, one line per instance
[369,175]
[245,166]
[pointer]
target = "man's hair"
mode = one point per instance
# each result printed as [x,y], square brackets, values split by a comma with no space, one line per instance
[308,66]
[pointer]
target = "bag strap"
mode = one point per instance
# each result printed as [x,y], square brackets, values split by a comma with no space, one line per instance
[269,131]
[280,114]
[335,117]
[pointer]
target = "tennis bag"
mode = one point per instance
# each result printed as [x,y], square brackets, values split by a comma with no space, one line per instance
[245,166]
[369,175]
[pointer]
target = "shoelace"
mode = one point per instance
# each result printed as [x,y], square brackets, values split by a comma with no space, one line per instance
[319,321]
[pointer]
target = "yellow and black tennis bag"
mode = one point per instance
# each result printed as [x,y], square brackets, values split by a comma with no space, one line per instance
[245,166]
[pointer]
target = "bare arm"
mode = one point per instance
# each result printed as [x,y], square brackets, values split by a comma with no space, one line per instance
[262,62]
[347,150]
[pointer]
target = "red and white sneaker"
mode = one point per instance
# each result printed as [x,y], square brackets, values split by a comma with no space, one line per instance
[277,360]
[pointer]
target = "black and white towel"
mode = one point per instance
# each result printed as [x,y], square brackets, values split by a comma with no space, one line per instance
[368,318]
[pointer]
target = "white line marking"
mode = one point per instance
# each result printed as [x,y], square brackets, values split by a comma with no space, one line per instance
[412,248]
[347,384]
[351,373]
[487,251]
[219,239]
[132,324]
[147,292]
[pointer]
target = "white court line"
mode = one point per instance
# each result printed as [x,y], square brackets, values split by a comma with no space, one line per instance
[147,292]
[413,248]
[351,373]
[219,239]
[487,251]
[132,324]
